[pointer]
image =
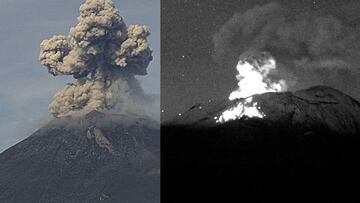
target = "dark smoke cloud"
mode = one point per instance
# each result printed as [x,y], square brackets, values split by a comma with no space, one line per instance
[310,48]
[104,55]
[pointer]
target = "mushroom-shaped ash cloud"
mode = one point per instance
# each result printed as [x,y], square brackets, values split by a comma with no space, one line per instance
[103,55]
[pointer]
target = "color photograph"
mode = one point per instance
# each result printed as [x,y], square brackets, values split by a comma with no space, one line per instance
[80,101]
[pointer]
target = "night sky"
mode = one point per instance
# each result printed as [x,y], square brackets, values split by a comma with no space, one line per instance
[189,74]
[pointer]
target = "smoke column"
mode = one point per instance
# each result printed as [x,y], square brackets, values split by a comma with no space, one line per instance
[253,70]
[103,55]
[321,48]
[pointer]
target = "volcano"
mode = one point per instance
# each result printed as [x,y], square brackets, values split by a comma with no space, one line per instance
[99,157]
[303,148]
[317,107]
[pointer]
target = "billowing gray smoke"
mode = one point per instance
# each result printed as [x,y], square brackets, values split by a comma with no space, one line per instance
[104,55]
[310,48]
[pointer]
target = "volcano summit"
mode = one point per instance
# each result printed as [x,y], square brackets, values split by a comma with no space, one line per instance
[95,158]
[317,107]
[304,144]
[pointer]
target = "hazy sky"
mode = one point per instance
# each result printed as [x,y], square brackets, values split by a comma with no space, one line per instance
[26,88]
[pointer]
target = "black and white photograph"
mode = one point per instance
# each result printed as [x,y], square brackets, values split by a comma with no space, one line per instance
[260,100]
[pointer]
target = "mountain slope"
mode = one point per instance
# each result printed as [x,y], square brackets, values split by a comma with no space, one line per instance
[99,157]
[306,149]
[318,106]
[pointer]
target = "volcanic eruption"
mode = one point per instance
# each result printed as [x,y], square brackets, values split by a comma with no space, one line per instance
[253,70]
[264,140]
[291,126]
[284,51]
[103,55]
[99,147]
[310,47]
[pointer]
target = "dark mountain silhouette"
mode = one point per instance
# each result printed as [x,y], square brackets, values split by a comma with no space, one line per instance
[306,149]
[94,158]
[318,106]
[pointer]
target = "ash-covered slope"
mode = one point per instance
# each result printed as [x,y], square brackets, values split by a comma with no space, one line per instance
[96,158]
[317,107]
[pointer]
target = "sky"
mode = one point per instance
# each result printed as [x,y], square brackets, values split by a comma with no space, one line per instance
[190,73]
[26,88]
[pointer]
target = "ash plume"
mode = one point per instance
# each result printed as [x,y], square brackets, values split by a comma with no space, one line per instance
[310,48]
[103,55]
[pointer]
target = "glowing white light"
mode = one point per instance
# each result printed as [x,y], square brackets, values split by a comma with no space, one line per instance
[244,108]
[253,79]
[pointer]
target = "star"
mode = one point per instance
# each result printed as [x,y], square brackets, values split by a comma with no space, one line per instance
[315,4]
